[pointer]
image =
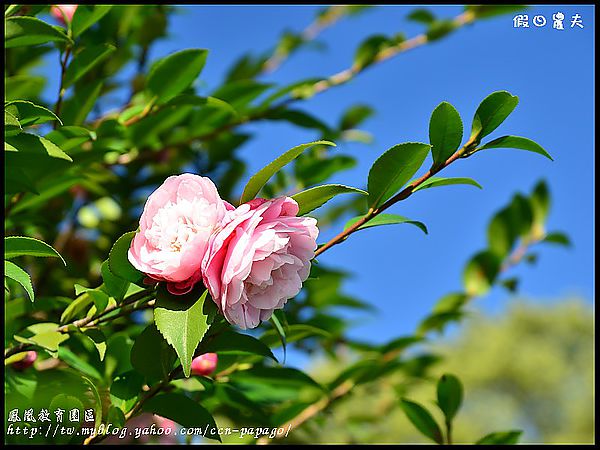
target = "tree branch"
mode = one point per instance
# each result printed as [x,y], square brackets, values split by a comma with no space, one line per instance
[141,296]
[513,259]
[402,195]
[330,17]
[321,86]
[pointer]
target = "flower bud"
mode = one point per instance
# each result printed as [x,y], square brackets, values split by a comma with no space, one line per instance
[58,10]
[26,362]
[204,364]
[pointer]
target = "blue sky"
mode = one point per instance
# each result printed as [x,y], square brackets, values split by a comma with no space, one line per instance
[397,268]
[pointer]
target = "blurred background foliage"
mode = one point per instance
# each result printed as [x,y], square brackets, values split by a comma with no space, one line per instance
[529,366]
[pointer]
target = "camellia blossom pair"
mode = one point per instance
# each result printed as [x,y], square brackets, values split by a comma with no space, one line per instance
[252,258]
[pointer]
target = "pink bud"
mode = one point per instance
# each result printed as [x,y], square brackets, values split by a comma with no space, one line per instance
[26,362]
[58,10]
[204,364]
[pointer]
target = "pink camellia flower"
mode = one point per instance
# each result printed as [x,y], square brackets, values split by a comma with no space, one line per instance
[26,362]
[58,10]
[175,227]
[204,364]
[259,259]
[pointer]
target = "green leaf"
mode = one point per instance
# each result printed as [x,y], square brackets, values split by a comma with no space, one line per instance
[151,355]
[422,420]
[508,224]
[277,376]
[113,285]
[299,118]
[445,132]
[281,331]
[438,181]
[354,116]
[66,403]
[315,197]
[118,262]
[259,179]
[24,30]
[11,9]
[183,410]
[230,342]
[437,321]
[11,124]
[43,335]
[175,73]
[421,15]
[450,302]
[511,284]
[183,320]
[558,238]
[86,60]
[240,93]
[280,92]
[393,169]
[500,437]
[480,273]
[14,272]
[367,51]
[293,333]
[28,246]
[70,137]
[75,308]
[78,106]
[439,29]
[517,142]
[98,339]
[311,170]
[77,363]
[125,390]
[99,297]
[23,86]
[385,219]
[29,113]
[540,202]
[115,416]
[15,180]
[194,100]
[31,144]
[491,112]
[87,15]
[399,344]
[230,396]
[48,188]
[449,395]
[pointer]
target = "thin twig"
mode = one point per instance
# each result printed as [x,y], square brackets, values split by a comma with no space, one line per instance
[348,74]
[321,86]
[17,349]
[123,313]
[330,17]
[89,321]
[403,194]
[308,413]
